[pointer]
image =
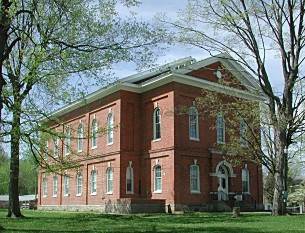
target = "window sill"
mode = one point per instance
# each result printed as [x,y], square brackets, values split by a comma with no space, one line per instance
[129,192]
[78,195]
[79,151]
[93,147]
[44,196]
[221,143]
[54,195]
[156,140]
[66,195]
[195,192]
[158,191]
[109,193]
[93,194]
[110,143]
[195,139]
[247,193]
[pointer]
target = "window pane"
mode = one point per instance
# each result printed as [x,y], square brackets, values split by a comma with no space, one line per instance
[158,178]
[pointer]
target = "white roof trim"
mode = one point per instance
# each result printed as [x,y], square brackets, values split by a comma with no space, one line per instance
[176,74]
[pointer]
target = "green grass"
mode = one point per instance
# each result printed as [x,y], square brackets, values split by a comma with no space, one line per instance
[38,221]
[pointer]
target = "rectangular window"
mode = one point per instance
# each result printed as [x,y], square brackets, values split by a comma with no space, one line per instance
[245,181]
[94,131]
[56,147]
[109,173]
[55,186]
[93,182]
[67,141]
[129,180]
[243,133]
[158,179]
[46,152]
[194,178]
[45,187]
[79,184]
[66,185]
[220,129]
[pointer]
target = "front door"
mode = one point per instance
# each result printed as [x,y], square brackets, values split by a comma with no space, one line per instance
[223,183]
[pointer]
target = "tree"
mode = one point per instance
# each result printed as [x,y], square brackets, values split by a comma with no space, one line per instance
[252,32]
[45,42]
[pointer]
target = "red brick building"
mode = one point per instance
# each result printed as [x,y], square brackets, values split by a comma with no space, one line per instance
[149,158]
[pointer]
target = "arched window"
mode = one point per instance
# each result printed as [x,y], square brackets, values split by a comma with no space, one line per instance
[110,129]
[67,141]
[157,179]
[243,133]
[45,187]
[93,183]
[79,184]
[109,178]
[66,185]
[193,123]
[245,180]
[194,178]
[94,131]
[55,186]
[80,137]
[157,123]
[129,180]
[220,129]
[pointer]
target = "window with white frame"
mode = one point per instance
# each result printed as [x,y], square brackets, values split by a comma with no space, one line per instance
[157,179]
[129,180]
[45,187]
[110,128]
[94,132]
[194,178]
[157,123]
[79,184]
[56,147]
[55,186]
[193,124]
[67,141]
[220,128]
[66,185]
[93,182]
[243,133]
[109,178]
[245,180]
[46,152]
[80,137]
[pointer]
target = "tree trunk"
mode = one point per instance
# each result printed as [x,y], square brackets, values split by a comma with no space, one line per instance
[14,208]
[279,176]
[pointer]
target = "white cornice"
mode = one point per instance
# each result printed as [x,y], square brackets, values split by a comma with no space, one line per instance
[155,83]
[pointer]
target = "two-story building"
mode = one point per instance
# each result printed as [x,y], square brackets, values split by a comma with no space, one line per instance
[136,154]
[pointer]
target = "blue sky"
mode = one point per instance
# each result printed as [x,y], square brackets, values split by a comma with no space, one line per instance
[148,9]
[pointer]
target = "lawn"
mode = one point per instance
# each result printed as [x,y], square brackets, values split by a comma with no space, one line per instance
[38,221]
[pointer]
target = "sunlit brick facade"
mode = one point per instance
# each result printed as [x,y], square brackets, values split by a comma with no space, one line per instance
[152,159]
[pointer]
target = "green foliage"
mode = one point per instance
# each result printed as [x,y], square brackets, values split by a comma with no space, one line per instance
[27,176]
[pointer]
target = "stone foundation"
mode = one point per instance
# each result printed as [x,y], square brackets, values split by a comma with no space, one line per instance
[120,206]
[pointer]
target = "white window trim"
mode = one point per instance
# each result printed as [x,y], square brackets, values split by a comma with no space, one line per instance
[132,180]
[67,149]
[243,141]
[224,129]
[248,181]
[66,194]
[155,139]
[79,194]
[91,183]
[44,187]
[55,194]
[93,128]
[111,130]
[107,180]
[80,139]
[56,143]
[197,125]
[198,180]
[154,170]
